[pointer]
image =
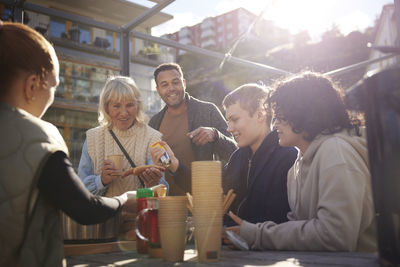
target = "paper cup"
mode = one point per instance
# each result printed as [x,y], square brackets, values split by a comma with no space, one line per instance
[117,160]
[173,238]
[208,241]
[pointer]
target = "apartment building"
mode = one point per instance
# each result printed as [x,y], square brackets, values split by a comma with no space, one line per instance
[88,56]
[221,31]
[386,35]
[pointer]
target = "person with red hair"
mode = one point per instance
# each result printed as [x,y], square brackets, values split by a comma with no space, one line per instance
[36,177]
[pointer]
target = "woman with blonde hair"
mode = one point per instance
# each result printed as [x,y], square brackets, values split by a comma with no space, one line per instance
[122,127]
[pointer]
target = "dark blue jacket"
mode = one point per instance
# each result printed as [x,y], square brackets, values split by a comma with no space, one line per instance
[262,191]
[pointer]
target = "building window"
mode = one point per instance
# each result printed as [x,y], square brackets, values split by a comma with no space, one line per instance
[220,19]
[57,28]
[229,36]
[220,28]
[82,82]
[229,26]
[72,126]
[7,14]
[117,43]
[109,37]
[83,33]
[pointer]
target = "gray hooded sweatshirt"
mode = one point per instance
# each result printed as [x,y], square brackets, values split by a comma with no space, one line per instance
[329,191]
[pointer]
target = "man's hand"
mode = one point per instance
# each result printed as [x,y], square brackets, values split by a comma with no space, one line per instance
[157,152]
[202,135]
[109,172]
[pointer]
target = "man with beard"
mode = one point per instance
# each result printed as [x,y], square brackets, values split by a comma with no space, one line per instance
[195,130]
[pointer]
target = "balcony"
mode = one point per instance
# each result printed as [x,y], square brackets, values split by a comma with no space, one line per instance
[208,33]
[185,41]
[185,33]
[208,23]
[208,43]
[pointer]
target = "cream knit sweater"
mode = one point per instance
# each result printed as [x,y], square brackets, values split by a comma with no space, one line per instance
[136,141]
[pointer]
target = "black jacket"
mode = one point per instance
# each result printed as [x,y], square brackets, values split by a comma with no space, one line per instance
[262,191]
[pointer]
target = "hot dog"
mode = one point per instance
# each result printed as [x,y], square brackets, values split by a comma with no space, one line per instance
[139,170]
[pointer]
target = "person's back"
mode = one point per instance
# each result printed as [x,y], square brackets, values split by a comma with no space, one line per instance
[36,177]
[23,156]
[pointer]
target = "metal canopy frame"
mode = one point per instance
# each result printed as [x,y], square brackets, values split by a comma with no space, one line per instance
[127,30]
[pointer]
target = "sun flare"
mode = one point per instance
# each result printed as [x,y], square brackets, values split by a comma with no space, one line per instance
[315,16]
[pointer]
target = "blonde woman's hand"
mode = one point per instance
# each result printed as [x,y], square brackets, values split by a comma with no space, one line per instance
[109,172]
[151,177]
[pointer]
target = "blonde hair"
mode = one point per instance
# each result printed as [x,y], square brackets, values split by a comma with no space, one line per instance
[118,88]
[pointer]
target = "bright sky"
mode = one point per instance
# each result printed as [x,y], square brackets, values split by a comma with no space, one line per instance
[316,16]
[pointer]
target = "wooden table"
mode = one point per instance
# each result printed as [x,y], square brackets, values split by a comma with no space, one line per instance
[230,258]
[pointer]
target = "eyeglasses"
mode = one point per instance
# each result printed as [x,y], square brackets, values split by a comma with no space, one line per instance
[279,119]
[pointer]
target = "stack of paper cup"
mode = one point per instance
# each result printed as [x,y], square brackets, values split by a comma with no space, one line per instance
[207,209]
[172,214]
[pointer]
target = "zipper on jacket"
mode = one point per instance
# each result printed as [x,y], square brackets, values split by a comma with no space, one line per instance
[247,184]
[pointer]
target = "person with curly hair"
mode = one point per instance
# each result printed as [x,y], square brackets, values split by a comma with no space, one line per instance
[329,185]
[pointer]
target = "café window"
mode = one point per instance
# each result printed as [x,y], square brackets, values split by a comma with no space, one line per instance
[109,37]
[6,14]
[72,126]
[117,43]
[80,33]
[82,82]
[57,28]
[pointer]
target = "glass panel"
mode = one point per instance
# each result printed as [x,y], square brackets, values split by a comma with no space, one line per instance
[65,117]
[82,82]
[57,27]
[77,137]
[143,76]
[77,122]
[7,14]
[80,33]
[130,47]
[109,37]
[85,35]
[117,43]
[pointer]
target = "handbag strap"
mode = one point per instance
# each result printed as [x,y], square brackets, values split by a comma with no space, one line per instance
[125,153]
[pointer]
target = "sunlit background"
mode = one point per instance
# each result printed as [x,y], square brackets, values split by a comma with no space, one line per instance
[315,16]
[295,35]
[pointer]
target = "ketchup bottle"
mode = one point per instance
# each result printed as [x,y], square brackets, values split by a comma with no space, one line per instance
[144,221]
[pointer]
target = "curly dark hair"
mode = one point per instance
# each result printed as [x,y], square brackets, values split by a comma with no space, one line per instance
[311,103]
